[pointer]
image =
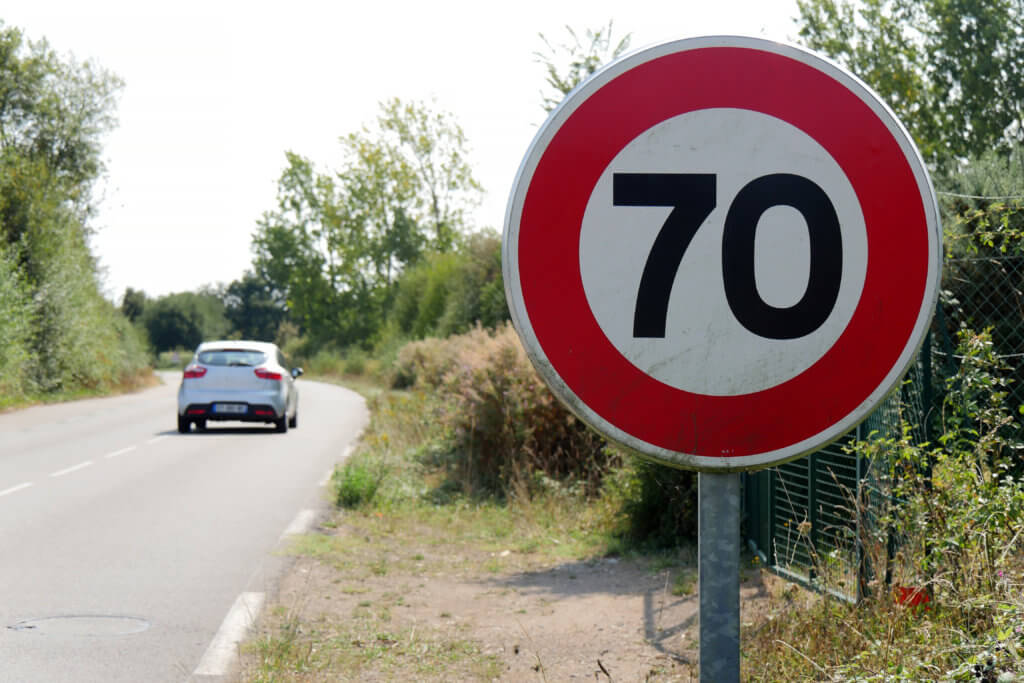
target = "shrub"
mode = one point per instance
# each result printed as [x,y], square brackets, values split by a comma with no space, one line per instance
[661,511]
[504,423]
[449,293]
[424,363]
[16,318]
[357,483]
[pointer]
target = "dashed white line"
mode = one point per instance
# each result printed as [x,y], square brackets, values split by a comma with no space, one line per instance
[157,438]
[14,489]
[221,653]
[73,468]
[301,524]
[120,452]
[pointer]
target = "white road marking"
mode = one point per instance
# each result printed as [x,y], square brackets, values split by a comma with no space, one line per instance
[344,456]
[327,478]
[157,438]
[13,489]
[301,524]
[223,649]
[73,468]
[120,452]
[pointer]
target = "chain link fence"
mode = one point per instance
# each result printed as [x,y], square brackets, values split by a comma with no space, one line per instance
[805,519]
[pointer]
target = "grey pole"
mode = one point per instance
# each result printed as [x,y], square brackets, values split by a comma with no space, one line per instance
[719,578]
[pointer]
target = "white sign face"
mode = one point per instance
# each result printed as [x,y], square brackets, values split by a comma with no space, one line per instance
[722,252]
[735,146]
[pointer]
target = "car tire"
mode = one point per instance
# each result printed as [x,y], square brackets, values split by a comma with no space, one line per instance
[183,425]
[281,426]
[293,421]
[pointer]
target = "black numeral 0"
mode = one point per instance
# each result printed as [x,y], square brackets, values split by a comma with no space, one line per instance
[692,196]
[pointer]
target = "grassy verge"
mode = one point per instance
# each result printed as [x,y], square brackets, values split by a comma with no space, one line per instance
[126,385]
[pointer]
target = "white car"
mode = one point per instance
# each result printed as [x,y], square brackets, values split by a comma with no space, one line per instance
[246,381]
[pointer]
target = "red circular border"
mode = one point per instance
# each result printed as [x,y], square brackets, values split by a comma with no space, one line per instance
[895,287]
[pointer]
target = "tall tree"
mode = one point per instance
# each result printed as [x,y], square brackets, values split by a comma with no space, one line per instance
[185,319]
[569,63]
[952,70]
[337,241]
[434,146]
[54,113]
[254,307]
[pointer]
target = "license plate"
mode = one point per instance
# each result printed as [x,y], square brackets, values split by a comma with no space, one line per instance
[230,408]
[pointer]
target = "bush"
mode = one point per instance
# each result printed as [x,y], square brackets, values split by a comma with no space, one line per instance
[504,423]
[424,363]
[16,320]
[357,483]
[661,511]
[449,293]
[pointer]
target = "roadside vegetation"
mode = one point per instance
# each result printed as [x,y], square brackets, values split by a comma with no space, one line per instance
[59,337]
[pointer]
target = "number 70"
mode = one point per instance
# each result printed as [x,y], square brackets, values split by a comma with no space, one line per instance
[692,198]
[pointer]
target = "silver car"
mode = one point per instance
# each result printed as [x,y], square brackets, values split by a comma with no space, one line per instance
[244,381]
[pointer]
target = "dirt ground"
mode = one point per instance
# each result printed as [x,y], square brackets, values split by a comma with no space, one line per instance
[533,618]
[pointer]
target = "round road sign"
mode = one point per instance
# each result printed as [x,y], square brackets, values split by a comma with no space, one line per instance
[722,252]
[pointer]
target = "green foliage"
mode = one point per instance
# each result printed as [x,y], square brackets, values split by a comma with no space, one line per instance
[338,241]
[185,319]
[951,528]
[570,63]
[59,334]
[661,505]
[16,312]
[254,308]
[952,70]
[357,482]
[983,205]
[434,146]
[983,278]
[133,303]
[959,504]
[449,293]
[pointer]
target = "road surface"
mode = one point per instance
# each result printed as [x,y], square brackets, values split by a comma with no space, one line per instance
[129,552]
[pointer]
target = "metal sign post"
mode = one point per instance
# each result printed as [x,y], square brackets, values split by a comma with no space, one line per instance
[719,571]
[709,237]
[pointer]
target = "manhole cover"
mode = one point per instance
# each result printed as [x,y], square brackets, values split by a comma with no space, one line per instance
[82,625]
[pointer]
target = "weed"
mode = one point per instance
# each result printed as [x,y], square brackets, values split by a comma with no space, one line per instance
[685,583]
[357,483]
[949,536]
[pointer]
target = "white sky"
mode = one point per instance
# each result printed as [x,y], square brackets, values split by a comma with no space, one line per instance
[217,91]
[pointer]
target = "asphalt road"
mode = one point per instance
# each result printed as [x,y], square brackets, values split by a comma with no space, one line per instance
[124,546]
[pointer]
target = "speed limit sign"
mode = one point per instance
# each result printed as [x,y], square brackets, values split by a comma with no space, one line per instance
[722,252]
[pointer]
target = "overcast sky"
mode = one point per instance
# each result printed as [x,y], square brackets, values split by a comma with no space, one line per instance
[216,92]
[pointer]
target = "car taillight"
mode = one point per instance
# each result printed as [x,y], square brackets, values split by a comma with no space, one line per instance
[194,371]
[263,373]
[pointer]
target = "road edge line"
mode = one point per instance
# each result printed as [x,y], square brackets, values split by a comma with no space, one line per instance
[301,524]
[222,652]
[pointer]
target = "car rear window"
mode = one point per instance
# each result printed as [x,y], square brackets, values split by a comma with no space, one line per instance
[229,357]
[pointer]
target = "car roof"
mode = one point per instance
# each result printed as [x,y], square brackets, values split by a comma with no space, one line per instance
[244,344]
